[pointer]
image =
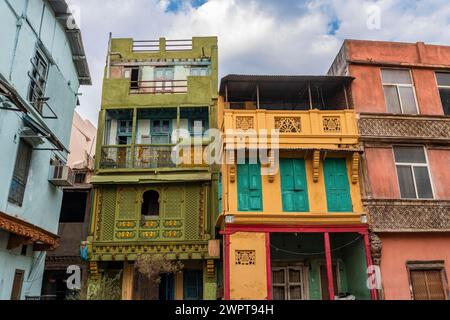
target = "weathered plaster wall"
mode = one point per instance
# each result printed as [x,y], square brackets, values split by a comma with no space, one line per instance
[398,249]
[382,173]
[439,161]
[248,282]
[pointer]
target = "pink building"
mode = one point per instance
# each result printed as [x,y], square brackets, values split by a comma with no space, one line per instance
[402,94]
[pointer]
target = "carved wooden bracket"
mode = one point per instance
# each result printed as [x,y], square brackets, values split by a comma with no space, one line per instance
[271,166]
[355,167]
[232,162]
[27,233]
[210,269]
[316,164]
[93,270]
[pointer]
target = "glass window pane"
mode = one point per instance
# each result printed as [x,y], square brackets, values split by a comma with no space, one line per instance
[394,76]
[295,276]
[445,99]
[443,78]
[392,100]
[406,182]
[408,100]
[278,277]
[278,293]
[423,183]
[409,155]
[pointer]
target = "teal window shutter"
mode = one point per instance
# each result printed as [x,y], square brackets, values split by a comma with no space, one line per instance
[249,187]
[294,189]
[337,186]
[219,193]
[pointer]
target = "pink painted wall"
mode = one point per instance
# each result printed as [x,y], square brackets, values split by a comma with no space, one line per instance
[382,173]
[367,89]
[398,249]
[82,143]
[439,162]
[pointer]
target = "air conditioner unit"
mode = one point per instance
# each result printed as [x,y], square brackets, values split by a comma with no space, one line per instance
[61,176]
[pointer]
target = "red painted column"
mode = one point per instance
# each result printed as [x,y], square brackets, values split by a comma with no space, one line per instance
[329,265]
[373,291]
[227,266]
[268,268]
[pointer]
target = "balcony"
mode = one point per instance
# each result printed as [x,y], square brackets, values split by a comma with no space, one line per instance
[306,112]
[297,129]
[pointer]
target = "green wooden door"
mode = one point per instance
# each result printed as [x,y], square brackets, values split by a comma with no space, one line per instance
[294,189]
[336,185]
[249,187]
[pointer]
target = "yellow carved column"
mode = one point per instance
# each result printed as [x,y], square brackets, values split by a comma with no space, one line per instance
[127,281]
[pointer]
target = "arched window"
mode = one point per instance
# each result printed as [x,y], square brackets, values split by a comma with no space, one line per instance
[150,203]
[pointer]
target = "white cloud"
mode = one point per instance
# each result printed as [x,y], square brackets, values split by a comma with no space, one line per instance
[257,36]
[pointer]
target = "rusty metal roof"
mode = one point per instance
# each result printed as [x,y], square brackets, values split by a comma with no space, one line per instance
[74,37]
[272,85]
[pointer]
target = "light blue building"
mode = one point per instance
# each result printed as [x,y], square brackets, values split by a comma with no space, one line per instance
[42,65]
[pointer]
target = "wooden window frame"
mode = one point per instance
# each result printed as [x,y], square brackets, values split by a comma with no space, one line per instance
[441,87]
[16,290]
[412,165]
[304,270]
[424,266]
[412,85]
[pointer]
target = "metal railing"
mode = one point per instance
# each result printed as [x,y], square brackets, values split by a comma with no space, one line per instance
[157,45]
[153,156]
[115,157]
[159,86]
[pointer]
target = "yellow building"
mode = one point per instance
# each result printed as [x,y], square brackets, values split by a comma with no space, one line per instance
[292,218]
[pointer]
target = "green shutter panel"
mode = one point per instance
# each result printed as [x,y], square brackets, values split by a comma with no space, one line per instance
[249,187]
[293,185]
[337,186]
[255,187]
[243,190]
[219,193]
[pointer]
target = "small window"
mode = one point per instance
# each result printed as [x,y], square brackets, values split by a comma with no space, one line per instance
[150,203]
[20,175]
[412,172]
[16,291]
[38,80]
[134,78]
[428,281]
[399,91]
[200,71]
[80,178]
[443,81]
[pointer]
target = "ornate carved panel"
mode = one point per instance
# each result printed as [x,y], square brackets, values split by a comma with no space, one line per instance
[244,123]
[404,127]
[245,257]
[408,215]
[316,164]
[331,124]
[288,125]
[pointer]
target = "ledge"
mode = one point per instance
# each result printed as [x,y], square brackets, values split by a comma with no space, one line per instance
[396,215]
[42,240]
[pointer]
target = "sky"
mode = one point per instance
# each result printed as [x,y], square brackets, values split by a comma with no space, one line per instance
[256,36]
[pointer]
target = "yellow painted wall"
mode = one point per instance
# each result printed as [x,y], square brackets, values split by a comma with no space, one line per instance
[248,281]
[272,200]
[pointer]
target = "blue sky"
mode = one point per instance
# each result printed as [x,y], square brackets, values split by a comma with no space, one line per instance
[257,36]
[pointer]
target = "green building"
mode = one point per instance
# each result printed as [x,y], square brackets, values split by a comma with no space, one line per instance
[144,202]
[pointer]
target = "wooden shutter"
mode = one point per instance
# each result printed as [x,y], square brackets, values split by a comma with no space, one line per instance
[23,159]
[249,187]
[337,186]
[427,285]
[16,291]
[293,185]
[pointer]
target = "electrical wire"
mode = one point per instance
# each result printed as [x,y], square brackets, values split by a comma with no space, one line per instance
[316,253]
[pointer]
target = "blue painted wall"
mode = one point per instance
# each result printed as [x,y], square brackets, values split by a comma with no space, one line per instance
[23,24]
